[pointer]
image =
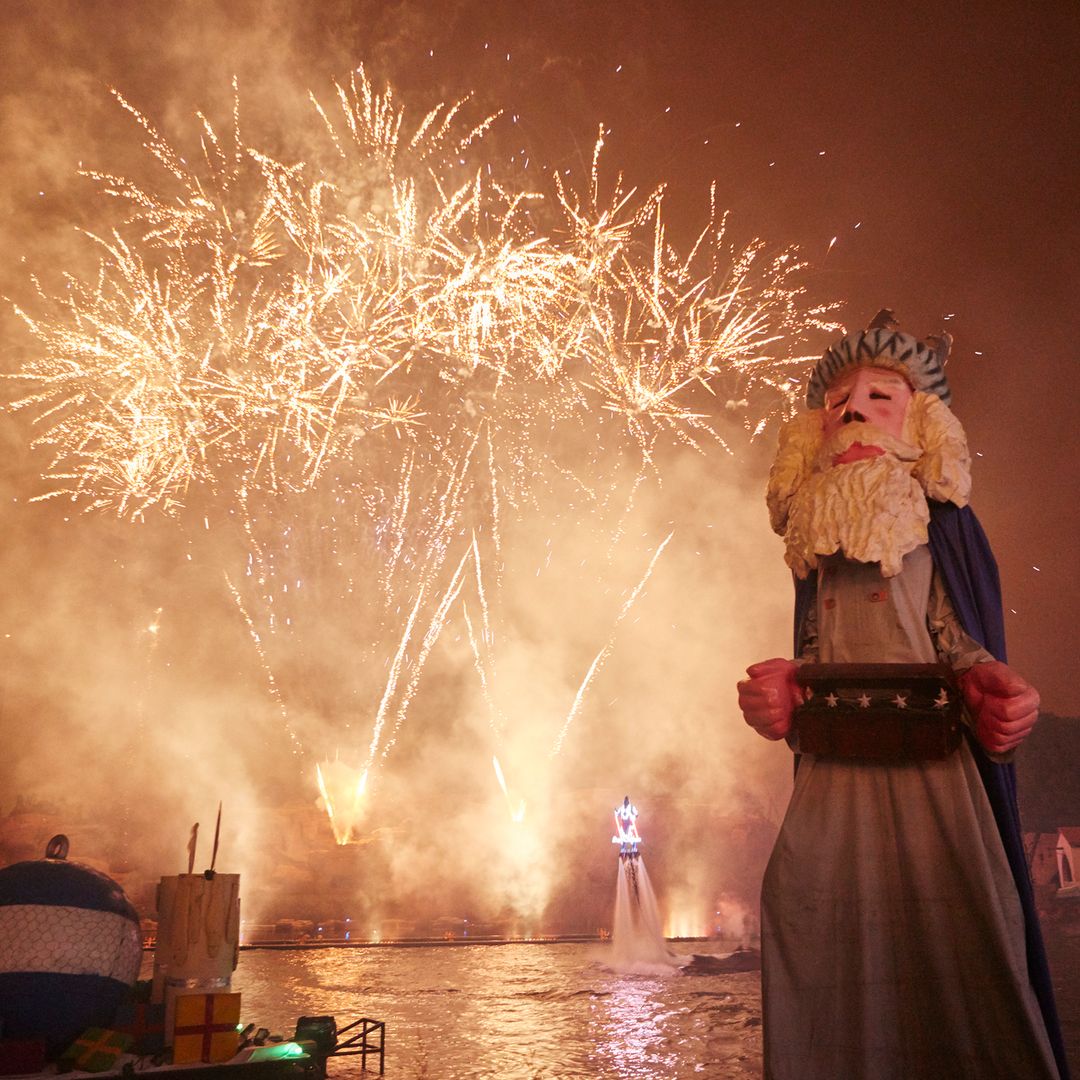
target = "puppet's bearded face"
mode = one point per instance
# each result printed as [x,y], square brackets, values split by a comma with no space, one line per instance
[869,507]
[854,476]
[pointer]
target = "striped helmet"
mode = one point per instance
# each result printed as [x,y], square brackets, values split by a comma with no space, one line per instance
[881,344]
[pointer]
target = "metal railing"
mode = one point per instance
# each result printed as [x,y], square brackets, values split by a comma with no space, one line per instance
[370,1039]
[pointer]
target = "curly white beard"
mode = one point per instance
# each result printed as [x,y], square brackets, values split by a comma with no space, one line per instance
[872,510]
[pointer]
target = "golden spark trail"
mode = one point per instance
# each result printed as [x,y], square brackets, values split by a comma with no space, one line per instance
[435,628]
[517,813]
[392,678]
[275,692]
[495,717]
[603,654]
[324,793]
[342,797]
[489,637]
[339,836]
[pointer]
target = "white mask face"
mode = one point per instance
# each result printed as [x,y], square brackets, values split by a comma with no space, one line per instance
[878,396]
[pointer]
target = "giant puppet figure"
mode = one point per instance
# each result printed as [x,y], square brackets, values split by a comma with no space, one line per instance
[899,938]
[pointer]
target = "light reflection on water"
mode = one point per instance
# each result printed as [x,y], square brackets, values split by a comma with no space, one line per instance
[541,1011]
[631,1028]
[509,1011]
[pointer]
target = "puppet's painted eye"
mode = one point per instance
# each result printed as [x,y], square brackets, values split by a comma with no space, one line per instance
[839,401]
[879,395]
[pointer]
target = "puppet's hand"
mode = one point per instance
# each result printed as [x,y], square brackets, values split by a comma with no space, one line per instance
[1003,705]
[769,696]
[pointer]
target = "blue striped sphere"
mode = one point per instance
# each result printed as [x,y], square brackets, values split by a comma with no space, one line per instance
[70,948]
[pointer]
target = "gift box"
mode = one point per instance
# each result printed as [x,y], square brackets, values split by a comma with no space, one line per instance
[205,1027]
[21,1056]
[145,1023]
[879,712]
[95,1050]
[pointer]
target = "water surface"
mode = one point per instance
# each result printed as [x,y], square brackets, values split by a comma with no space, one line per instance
[542,1011]
[507,1011]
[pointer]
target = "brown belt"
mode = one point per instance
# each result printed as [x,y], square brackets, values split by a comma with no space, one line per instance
[879,712]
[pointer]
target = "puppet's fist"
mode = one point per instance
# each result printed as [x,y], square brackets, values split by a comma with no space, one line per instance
[1003,705]
[769,697]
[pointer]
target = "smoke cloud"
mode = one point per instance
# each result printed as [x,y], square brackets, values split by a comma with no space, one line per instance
[134,696]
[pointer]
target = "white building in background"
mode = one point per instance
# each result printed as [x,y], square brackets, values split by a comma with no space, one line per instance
[1040,849]
[1068,860]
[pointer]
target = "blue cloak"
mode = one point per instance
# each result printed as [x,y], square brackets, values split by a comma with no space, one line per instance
[962,556]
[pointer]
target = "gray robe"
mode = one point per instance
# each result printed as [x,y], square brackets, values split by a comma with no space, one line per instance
[892,934]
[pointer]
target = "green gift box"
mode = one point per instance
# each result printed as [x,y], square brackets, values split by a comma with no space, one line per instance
[95,1050]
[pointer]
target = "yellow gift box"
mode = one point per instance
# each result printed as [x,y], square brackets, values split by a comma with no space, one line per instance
[205,1027]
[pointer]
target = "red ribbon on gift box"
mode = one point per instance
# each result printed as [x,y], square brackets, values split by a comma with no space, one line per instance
[140,1019]
[207,1029]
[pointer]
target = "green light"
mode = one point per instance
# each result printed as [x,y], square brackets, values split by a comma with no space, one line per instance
[278,1051]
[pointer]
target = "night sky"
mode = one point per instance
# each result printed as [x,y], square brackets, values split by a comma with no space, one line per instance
[937,144]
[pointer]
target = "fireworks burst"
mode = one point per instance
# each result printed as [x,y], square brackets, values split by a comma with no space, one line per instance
[402,333]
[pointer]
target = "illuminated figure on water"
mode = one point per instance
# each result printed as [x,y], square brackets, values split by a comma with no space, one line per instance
[638,933]
[626,830]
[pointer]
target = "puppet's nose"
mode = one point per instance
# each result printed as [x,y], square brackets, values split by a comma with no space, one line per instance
[852,416]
